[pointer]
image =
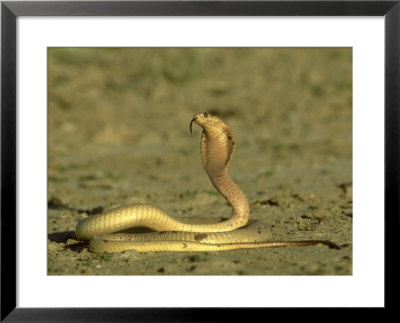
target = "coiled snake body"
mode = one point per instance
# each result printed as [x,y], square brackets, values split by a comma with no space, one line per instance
[217,147]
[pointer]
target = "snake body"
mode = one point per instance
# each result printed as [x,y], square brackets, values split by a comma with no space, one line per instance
[171,234]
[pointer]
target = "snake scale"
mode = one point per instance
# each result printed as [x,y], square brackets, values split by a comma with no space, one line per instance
[171,234]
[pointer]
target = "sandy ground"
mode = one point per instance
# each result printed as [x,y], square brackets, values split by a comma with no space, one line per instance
[119,134]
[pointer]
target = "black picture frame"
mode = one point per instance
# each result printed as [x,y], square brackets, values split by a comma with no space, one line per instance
[11,10]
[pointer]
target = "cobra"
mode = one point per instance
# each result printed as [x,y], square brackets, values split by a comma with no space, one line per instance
[171,234]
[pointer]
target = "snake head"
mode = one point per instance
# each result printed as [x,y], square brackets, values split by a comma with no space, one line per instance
[196,117]
[207,122]
[212,126]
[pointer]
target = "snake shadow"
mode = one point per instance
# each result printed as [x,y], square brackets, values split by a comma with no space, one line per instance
[63,237]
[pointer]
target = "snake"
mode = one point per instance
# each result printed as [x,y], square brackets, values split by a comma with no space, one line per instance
[107,231]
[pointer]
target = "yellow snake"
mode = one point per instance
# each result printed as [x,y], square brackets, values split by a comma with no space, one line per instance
[217,147]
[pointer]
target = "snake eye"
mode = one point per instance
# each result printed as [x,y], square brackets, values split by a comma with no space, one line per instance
[205,114]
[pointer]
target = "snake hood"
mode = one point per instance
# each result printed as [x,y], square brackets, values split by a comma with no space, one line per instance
[217,141]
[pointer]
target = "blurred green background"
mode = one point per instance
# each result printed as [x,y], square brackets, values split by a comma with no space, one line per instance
[286,106]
